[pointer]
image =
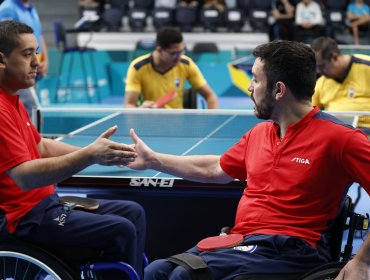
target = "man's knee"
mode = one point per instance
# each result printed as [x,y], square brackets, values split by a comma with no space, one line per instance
[158,269]
[180,273]
[138,210]
[164,270]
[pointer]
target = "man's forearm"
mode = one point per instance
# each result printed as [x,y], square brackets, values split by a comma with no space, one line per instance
[363,254]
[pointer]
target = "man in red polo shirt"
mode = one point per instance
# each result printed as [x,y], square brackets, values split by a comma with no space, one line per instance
[298,166]
[30,165]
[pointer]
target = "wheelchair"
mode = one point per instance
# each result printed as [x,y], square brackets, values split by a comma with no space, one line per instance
[23,260]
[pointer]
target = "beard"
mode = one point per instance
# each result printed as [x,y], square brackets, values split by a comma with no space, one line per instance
[264,109]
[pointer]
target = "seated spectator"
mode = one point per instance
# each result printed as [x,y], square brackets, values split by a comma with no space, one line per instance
[282,27]
[309,20]
[188,3]
[217,4]
[358,15]
[171,4]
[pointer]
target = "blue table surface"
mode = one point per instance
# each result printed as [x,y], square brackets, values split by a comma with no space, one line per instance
[180,134]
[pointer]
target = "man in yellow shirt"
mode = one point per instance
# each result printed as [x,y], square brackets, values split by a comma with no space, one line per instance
[165,70]
[344,84]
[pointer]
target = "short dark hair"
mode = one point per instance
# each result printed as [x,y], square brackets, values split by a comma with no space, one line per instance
[292,63]
[167,36]
[9,35]
[326,45]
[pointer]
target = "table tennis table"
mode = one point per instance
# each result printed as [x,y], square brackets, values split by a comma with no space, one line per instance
[179,212]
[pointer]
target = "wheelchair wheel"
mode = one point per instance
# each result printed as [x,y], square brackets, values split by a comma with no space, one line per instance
[25,261]
[325,272]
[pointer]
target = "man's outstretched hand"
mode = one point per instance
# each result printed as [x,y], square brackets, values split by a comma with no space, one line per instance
[145,156]
[107,152]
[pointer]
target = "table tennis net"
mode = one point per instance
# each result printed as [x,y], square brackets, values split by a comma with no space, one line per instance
[167,123]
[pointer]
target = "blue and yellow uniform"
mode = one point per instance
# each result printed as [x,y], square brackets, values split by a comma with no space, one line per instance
[145,80]
[351,94]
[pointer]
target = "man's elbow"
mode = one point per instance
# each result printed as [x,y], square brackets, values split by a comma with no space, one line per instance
[24,183]
[21,178]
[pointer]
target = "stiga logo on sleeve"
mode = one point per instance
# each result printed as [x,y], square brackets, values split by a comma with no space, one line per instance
[152,182]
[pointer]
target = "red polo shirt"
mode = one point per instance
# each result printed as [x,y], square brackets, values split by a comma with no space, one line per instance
[18,143]
[295,186]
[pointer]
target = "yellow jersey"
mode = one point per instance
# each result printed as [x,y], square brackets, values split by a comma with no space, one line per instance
[144,79]
[352,94]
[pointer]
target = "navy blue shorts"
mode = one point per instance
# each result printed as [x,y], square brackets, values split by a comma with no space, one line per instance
[258,254]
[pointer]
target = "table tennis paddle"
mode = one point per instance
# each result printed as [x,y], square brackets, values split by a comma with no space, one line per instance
[80,202]
[161,102]
[220,241]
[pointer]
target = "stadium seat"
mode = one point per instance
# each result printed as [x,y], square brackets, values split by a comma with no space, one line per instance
[121,5]
[259,11]
[185,18]
[137,18]
[138,14]
[143,47]
[204,48]
[234,19]
[144,4]
[112,19]
[243,5]
[335,15]
[162,17]
[210,19]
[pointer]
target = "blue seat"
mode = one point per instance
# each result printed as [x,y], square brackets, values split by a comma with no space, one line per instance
[210,19]
[185,18]
[162,17]
[144,4]
[335,15]
[121,5]
[234,19]
[259,11]
[137,18]
[201,49]
[112,19]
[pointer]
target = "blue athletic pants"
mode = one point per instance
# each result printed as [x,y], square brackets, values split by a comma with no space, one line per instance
[258,254]
[117,227]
